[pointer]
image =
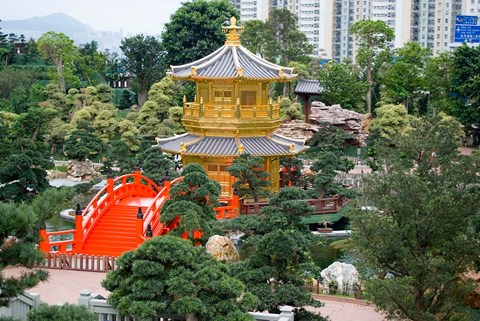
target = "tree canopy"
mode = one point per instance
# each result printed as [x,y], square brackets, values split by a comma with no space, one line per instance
[195,30]
[59,49]
[143,60]
[373,39]
[465,85]
[251,178]
[416,227]
[193,200]
[168,275]
[280,261]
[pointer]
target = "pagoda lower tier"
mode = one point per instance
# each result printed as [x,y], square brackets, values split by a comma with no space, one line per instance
[216,153]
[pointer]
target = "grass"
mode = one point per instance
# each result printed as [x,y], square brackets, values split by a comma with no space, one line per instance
[62,168]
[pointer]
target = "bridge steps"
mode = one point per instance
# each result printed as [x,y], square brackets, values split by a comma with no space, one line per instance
[115,233]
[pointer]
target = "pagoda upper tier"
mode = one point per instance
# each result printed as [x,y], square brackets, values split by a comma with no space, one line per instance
[232,91]
[232,61]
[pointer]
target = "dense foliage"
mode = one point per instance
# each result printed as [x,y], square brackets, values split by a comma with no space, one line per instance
[192,200]
[416,227]
[68,312]
[168,275]
[195,30]
[18,234]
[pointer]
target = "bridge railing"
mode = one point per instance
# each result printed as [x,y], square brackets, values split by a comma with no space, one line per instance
[229,208]
[151,217]
[85,221]
[328,205]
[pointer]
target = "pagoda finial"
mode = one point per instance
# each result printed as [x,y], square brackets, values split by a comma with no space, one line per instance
[233,33]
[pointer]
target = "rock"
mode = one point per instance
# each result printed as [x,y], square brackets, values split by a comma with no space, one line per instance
[297,129]
[222,249]
[82,170]
[349,120]
[344,274]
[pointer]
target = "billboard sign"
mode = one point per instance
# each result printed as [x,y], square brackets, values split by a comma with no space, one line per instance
[470,34]
[466,20]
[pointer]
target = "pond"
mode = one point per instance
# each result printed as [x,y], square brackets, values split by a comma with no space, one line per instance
[322,254]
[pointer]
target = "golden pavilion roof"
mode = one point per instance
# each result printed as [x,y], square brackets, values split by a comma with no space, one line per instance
[232,61]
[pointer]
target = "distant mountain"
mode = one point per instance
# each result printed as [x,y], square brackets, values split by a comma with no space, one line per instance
[58,22]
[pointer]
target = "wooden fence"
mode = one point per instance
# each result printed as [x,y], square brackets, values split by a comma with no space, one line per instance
[79,262]
[321,205]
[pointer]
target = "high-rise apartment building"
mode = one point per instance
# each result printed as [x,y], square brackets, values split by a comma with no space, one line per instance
[327,23]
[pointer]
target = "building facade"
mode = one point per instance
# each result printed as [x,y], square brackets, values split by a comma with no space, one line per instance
[326,23]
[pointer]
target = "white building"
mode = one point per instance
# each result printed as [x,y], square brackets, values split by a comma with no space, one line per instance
[327,23]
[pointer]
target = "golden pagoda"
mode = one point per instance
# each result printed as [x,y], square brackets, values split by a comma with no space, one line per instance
[232,112]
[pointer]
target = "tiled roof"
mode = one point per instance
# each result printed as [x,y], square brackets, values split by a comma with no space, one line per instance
[228,146]
[298,144]
[231,61]
[172,144]
[306,86]
[262,146]
[215,146]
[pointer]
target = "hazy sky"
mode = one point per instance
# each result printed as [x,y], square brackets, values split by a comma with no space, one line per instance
[132,16]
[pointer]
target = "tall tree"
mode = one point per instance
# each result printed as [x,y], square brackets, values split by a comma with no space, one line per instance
[289,43]
[90,63]
[255,38]
[342,84]
[373,40]
[416,228]
[143,59]
[404,78]
[195,30]
[59,49]
[168,275]
[438,82]
[466,87]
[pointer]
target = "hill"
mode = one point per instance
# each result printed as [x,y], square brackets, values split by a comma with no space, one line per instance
[58,22]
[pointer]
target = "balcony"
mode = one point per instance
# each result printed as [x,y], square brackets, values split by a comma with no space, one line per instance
[200,110]
[231,120]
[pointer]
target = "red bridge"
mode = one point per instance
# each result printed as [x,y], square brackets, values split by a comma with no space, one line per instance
[119,218]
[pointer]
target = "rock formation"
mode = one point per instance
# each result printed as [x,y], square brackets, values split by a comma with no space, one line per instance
[82,170]
[297,129]
[348,120]
[343,274]
[222,249]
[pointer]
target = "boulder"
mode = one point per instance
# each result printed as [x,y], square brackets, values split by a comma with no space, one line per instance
[351,121]
[297,129]
[82,170]
[343,274]
[222,249]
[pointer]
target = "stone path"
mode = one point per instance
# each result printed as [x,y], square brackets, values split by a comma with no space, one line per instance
[65,286]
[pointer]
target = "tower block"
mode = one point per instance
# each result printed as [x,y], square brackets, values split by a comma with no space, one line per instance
[232,112]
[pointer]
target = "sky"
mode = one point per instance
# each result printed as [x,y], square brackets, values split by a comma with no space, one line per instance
[132,16]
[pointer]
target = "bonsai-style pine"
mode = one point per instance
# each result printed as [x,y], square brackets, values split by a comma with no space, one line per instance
[168,275]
